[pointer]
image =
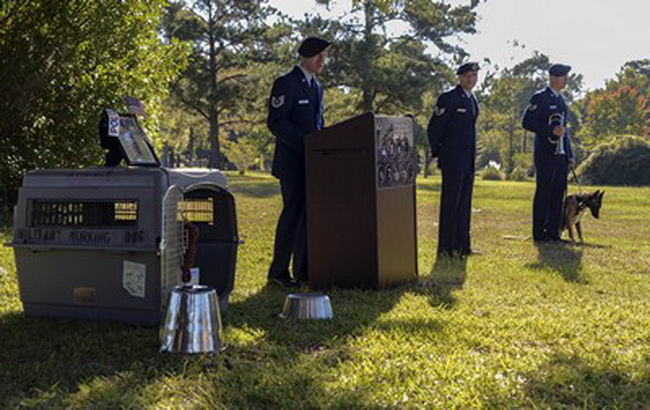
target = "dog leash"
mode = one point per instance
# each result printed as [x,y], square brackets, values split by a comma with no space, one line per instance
[575,177]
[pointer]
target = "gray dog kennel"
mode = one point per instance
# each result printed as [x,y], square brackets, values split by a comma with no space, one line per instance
[109,242]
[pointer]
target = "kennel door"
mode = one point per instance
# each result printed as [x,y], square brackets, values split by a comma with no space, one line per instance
[171,243]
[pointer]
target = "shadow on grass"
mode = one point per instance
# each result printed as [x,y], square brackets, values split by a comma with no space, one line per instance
[435,187]
[561,257]
[593,245]
[570,382]
[447,274]
[256,189]
[58,363]
[353,311]
[50,358]
[292,364]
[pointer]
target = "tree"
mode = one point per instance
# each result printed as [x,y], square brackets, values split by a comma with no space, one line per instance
[504,96]
[614,112]
[391,72]
[226,37]
[60,64]
[241,152]
[621,107]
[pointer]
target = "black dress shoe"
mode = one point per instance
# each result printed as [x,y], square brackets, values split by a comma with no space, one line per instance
[471,252]
[284,280]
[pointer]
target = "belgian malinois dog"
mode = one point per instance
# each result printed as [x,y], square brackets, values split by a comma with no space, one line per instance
[574,207]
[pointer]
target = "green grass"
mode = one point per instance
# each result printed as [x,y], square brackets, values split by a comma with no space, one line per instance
[519,326]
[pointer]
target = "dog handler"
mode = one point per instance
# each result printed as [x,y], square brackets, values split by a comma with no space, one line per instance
[546,116]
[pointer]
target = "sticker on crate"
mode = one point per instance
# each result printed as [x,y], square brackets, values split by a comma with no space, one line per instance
[134,276]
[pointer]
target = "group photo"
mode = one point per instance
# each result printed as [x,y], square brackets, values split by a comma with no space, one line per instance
[324,204]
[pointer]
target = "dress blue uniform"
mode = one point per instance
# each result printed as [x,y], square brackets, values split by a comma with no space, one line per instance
[546,110]
[295,109]
[452,137]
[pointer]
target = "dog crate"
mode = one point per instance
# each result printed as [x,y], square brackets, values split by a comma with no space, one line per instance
[107,243]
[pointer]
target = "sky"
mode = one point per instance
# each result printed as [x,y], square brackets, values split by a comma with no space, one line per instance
[595,37]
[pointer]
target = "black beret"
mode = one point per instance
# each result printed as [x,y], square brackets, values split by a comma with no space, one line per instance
[558,70]
[467,67]
[312,46]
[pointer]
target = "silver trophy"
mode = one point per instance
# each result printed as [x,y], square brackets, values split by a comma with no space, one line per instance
[556,119]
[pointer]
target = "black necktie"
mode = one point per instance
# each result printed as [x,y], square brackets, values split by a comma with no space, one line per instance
[313,89]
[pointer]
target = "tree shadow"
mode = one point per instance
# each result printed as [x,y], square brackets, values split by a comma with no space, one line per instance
[562,258]
[60,363]
[47,354]
[283,373]
[435,187]
[593,245]
[353,310]
[255,189]
[569,382]
[447,274]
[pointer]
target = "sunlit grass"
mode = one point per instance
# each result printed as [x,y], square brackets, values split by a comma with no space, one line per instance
[519,326]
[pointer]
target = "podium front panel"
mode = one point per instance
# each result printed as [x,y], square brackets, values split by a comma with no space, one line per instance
[360,177]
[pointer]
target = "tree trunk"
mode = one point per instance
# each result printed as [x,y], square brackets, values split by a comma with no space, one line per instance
[367,56]
[165,155]
[511,147]
[524,140]
[213,134]
[190,147]
[214,161]
[427,163]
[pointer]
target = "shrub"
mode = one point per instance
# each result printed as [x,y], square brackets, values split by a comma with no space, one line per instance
[518,174]
[625,160]
[522,166]
[491,173]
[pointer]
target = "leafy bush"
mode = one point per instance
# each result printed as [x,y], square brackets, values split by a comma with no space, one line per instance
[518,174]
[522,167]
[491,173]
[625,160]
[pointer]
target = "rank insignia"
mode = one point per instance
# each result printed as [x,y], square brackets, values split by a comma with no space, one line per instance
[277,102]
[532,107]
[438,111]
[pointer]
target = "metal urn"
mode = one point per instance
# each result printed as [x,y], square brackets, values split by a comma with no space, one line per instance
[192,322]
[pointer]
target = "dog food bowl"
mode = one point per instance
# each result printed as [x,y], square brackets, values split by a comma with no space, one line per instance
[192,322]
[307,306]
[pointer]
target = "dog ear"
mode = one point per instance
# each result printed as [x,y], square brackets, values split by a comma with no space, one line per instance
[602,193]
[597,193]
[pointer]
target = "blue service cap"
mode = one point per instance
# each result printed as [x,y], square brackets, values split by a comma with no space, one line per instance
[467,67]
[558,70]
[312,46]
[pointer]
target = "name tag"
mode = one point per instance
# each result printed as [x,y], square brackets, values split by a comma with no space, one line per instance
[302,102]
[461,110]
[552,107]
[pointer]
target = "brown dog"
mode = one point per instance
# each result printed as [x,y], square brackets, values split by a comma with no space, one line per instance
[575,205]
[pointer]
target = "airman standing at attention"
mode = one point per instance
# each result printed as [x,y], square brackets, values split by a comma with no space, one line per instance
[452,136]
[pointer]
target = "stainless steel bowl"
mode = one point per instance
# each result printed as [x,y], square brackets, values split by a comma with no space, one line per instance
[307,306]
[192,321]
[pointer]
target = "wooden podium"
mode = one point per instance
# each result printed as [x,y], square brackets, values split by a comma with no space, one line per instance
[361,225]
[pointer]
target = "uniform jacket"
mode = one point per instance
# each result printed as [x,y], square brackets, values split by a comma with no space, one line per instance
[543,108]
[294,111]
[452,131]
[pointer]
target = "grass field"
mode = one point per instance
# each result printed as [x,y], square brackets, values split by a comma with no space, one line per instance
[519,326]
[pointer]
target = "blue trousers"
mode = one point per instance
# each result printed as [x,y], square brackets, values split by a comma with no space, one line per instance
[551,184]
[291,231]
[455,211]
